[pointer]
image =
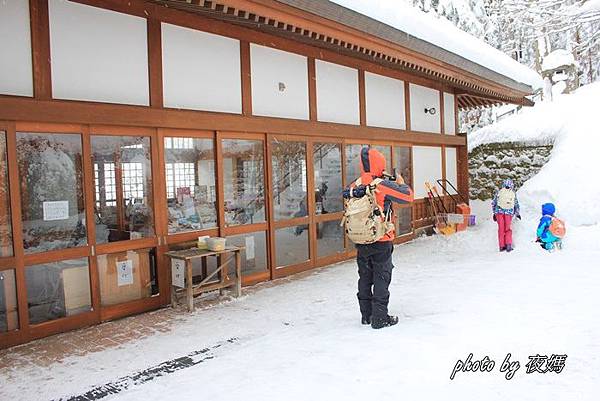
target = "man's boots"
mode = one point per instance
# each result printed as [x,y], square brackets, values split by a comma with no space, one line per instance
[380,323]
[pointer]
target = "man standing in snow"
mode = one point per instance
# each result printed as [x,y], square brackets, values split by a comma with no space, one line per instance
[375,259]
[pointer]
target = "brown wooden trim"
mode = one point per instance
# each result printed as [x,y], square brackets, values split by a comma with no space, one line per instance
[442,115]
[48,128]
[57,255]
[407,105]
[7,263]
[321,218]
[246,71]
[283,271]
[40,49]
[331,259]
[61,325]
[220,184]
[119,130]
[15,207]
[444,164]
[155,75]
[456,115]
[176,238]
[296,221]
[270,210]
[243,229]
[311,201]
[251,279]
[362,99]
[111,312]
[13,108]
[312,89]
[186,133]
[128,245]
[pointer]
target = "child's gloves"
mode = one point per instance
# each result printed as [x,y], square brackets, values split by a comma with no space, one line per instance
[357,192]
[494,217]
[519,216]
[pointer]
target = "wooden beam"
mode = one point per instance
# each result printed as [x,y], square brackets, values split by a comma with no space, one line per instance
[62,111]
[246,78]
[362,98]
[40,49]
[312,89]
[155,69]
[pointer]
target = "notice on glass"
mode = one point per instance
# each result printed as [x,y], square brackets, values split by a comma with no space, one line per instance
[250,248]
[124,273]
[178,273]
[56,210]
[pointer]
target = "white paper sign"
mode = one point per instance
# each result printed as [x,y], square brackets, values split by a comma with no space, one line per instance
[124,273]
[56,210]
[178,273]
[249,248]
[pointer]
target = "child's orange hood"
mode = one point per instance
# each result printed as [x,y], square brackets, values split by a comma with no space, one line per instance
[372,164]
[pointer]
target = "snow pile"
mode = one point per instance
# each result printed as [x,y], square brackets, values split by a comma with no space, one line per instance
[442,33]
[558,58]
[569,179]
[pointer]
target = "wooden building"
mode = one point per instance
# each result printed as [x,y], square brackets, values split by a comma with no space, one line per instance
[128,127]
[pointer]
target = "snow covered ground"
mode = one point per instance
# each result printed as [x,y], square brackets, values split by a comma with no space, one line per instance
[302,339]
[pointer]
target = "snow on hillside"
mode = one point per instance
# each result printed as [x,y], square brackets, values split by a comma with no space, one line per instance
[443,33]
[570,178]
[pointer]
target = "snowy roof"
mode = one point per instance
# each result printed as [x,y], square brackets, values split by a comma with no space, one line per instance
[558,58]
[438,38]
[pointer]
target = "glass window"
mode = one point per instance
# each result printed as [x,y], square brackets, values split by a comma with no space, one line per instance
[127,276]
[403,164]
[328,177]
[289,179]
[291,245]
[243,181]
[123,190]
[58,289]
[190,178]
[403,220]
[353,162]
[6,248]
[9,317]
[52,195]
[254,256]
[330,238]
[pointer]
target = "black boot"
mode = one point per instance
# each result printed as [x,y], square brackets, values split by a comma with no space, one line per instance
[379,323]
[366,320]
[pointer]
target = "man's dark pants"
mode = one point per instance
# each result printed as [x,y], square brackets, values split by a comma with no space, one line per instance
[375,274]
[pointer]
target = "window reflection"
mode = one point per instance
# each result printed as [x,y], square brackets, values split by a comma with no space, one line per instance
[254,254]
[243,181]
[352,162]
[52,196]
[190,179]
[123,188]
[403,220]
[403,163]
[9,317]
[291,246]
[58,289]
[330,238]
[289,179]
[328,177]
[6,248]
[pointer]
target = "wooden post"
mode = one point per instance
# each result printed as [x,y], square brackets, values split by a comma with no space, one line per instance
[238,273]
[189,285]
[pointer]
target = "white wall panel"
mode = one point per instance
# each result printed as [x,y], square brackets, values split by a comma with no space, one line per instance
[427,167]
[279,83]
[422,98]
[16,76]
[98,55]
[201,71]
[385,101]
[451,168]
[449,117]
[337,93]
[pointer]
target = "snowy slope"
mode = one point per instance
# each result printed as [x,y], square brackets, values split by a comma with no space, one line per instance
[443,33]
[301,339]
[570,179]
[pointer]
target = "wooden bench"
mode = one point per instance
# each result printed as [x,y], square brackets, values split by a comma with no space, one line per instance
[186,257]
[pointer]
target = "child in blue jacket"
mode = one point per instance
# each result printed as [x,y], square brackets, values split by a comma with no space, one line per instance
[548,239]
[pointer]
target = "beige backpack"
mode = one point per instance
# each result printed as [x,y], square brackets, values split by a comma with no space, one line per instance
[364,221]
[506,198]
